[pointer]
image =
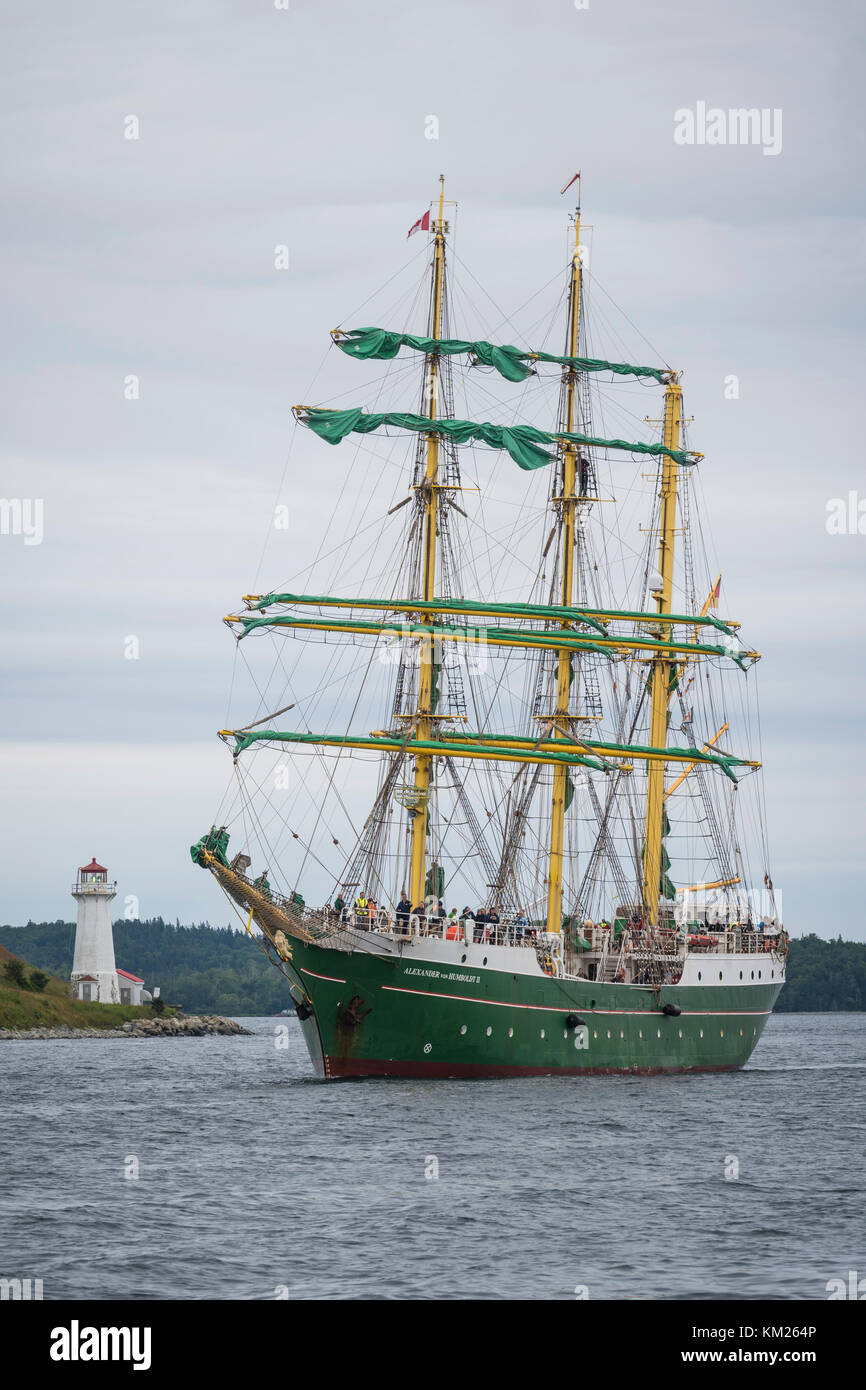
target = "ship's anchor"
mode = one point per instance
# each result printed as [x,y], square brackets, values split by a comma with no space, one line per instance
[355,1011]
[672,1010]
[573,1021]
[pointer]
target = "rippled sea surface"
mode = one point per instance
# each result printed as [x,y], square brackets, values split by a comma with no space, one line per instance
[254,1178]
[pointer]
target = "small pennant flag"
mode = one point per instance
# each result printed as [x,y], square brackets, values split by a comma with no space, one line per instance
[422,225]
[712,597]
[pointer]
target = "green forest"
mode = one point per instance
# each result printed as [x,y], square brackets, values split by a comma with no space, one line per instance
[204,969]
[219,970]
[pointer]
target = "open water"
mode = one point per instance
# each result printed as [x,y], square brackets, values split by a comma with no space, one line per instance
[219,1168]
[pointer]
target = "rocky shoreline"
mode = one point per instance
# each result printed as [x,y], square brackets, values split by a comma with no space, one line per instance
[180,1026]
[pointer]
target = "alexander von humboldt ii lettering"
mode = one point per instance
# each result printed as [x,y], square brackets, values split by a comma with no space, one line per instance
[497,713]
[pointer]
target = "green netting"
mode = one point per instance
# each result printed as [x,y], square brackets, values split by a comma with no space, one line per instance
[513,363]
[520,441]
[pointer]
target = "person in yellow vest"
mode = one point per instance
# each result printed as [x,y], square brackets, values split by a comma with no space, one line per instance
[361,907]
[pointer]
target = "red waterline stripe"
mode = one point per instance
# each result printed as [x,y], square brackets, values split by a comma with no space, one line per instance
[333,978]
[351,1066]
[558,1008]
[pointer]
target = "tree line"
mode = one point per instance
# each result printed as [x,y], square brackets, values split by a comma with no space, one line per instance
[220,970]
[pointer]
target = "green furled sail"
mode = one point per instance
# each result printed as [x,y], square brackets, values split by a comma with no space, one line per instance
[517,745]
[515,364]
[435,881]
[216,842]
[520,441]
[666,887]
[498,636]
[513,610]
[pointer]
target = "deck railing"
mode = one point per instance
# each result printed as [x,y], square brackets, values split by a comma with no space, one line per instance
[636,940]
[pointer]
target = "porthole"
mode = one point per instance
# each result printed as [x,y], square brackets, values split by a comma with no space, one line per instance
[754,1032]
[511,1032]
[463,1028]
[484,962]
[702,1032]
[680,1032]
[595,1032]
[658,1032]
[720,973]
[565,1032]
[759,974]
[741,974]
[542,1032]
[741,1032]
[621,1033]
[489,1031]
[608,1032]
[700,976]
[463,958]
[640,1032]
[772,974]
[721,1032]
[753,974]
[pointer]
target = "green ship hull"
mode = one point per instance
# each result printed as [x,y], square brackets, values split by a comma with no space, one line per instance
[367,1015]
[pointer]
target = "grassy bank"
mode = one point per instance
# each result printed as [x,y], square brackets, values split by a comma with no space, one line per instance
[52,1007]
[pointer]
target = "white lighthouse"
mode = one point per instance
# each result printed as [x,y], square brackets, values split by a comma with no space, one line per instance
[94,973]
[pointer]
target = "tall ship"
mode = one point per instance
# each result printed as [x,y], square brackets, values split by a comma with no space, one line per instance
[504,737]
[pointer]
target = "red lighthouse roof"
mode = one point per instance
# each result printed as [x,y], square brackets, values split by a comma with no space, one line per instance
[93,868]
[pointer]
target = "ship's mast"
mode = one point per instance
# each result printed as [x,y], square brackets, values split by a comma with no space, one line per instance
[567,502]
[566,625]
[430,493]
[661,666]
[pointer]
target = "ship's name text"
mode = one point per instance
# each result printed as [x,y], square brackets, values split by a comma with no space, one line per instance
[440,975]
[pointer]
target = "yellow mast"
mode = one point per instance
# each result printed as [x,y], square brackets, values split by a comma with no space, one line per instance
[661,666]
[568,503]
[424,721]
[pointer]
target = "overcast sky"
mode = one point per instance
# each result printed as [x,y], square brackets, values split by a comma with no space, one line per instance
[154,257]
